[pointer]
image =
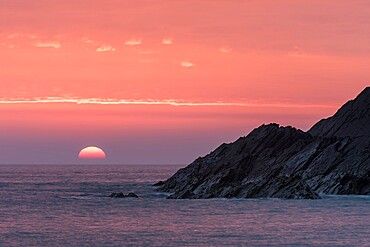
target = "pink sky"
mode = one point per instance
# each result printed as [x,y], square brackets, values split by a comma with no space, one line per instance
[168,81]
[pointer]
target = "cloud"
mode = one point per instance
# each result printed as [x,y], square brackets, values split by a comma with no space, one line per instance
[87,40]
[167,41]
[52,44]
[225,49]
[21,35]
[297,51]
[171,102]
[187,64]
[8,45]
[133,42]
[13,35]
[105,48]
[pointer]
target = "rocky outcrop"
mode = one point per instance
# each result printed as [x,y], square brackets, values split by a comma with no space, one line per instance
[333,157]
[351,119]
[121,195]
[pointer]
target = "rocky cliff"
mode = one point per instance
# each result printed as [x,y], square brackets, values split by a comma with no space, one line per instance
[333,157]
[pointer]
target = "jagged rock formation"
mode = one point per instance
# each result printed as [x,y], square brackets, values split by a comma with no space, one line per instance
[333,157]
[352,119]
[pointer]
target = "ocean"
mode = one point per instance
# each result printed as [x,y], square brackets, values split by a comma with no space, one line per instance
[67,205]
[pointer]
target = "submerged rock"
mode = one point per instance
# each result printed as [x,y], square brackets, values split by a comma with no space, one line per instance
[121,195]
[132,195]
[117,195]
[333,157]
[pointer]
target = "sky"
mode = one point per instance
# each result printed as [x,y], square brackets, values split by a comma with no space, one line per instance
[167,81]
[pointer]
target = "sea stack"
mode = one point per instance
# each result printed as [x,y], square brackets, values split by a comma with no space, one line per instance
[333,157]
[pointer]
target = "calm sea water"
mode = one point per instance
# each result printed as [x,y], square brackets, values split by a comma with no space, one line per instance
[67,206]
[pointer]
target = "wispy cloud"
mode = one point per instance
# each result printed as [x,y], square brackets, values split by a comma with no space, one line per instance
[296,51]
[105,48]
[299,52]
[11,46]
[13,35]
[167,41]
[133,42]
[171,102]
[51,44]
[225,49]
[21,35]
[87,40]
[187,64]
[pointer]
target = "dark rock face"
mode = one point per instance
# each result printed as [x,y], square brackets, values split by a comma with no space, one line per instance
[160,183]
[121,195]
[349,119]
[284,162]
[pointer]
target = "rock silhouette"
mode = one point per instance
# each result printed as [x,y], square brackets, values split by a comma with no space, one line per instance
[333,157]
[121,195]
[159,183]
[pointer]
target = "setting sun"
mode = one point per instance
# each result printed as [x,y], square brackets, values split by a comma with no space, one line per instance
[91,153]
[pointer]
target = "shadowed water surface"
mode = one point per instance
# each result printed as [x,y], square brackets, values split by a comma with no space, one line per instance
[67,206]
